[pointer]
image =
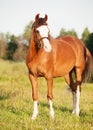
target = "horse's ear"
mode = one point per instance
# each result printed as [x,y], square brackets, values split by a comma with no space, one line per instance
[45,18]
[37,17]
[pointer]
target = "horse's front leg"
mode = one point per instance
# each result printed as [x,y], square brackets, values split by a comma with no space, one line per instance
[50,96]
[34,84]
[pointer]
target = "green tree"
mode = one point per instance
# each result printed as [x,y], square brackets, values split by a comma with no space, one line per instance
[8,37]
[27,31]
[12,46]
[20,53]
[89,43]
[63,32]
[85,35]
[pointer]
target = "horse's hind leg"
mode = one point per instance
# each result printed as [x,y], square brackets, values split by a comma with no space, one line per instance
[76,92]
[76,97]
[75,87]
[68,79]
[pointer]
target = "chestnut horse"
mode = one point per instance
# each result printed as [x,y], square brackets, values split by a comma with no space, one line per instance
[50,58]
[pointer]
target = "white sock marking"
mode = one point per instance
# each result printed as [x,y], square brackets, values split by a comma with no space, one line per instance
[51,108]
[74,100]
[35,111]
[76,97]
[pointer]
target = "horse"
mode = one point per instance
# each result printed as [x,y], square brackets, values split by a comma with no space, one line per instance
[50,58]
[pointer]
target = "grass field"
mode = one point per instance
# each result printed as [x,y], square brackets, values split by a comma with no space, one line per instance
[16,103]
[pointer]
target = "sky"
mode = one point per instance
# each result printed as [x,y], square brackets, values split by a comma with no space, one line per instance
[15,15]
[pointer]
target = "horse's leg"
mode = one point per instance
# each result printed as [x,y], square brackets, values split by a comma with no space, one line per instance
[76,92]
[34,95]
[75,87]
[67,79]
[50,96]
[76,97]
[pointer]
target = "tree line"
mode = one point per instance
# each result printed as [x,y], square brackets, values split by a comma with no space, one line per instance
[15,47]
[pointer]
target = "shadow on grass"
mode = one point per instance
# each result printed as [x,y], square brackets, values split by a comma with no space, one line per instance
[84,114]
[7,95]
[4,97]
[43,104]
[62,109]
[65,109]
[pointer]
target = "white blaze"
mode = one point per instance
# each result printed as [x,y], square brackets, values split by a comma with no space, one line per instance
[43,30]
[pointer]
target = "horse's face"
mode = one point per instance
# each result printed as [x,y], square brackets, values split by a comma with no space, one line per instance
[41,33]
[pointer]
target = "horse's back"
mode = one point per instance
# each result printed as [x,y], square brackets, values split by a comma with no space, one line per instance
[74,42]
[78,47]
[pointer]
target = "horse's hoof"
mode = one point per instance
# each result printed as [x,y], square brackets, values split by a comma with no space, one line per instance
[34,116]
[75,113]
[52,115]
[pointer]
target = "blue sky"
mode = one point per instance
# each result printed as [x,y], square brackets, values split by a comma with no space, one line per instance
[68,14]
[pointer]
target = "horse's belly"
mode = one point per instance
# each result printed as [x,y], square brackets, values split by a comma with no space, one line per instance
[62,70]
[64,66]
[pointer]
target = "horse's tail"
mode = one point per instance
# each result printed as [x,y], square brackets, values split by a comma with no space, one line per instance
[88,71]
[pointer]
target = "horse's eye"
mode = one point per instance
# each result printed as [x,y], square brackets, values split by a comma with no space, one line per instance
[37,31]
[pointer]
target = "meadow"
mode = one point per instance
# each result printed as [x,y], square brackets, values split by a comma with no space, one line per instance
[16,104]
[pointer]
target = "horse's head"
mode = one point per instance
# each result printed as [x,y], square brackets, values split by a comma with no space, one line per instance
[40,21]
[41,33]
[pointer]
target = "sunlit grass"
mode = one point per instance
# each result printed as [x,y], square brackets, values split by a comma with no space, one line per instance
[16,105]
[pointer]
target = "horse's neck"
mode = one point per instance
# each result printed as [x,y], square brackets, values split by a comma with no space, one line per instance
[52,40]
[32,49]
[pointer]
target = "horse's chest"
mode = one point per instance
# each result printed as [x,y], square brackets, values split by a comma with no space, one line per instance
[38,67]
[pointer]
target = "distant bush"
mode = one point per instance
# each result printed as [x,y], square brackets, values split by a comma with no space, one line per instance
[3,47]
[20,53]
[12,46]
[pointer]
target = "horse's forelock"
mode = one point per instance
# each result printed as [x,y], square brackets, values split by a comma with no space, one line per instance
[40,22]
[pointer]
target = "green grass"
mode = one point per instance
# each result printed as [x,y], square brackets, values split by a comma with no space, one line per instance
[16,103]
